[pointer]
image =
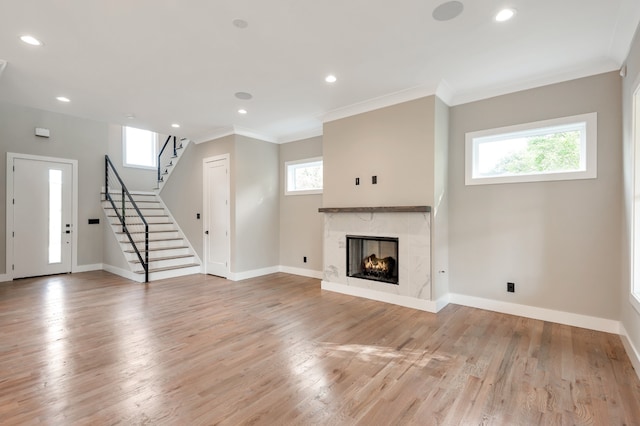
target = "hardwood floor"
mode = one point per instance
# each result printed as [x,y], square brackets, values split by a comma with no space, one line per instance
[93,348]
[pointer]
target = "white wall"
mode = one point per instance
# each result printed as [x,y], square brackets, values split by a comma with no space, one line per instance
[300,222]
[395,144]
[255,226]
[558,241]
[71,138]
[630,317]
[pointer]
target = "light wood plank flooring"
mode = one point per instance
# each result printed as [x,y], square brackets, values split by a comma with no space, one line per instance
[93,348]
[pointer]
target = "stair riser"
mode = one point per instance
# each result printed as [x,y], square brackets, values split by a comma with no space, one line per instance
[155,244]
[134,220]
[165,263]
[159,236]
[145,212]
[139,227]
[128,207]
[159,253]
[154,276]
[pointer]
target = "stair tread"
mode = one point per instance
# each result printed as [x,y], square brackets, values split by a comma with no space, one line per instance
[159,248]
[168,268]
[140,223]
[144,232]
[135,215]
[154,241]
[157,259]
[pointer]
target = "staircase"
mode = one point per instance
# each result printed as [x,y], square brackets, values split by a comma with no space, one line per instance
[170,254]
[169,157]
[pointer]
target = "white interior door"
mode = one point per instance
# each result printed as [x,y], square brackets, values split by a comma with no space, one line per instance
[42,217]
[216,216]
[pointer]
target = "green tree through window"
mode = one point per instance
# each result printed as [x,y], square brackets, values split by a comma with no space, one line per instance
[546,153]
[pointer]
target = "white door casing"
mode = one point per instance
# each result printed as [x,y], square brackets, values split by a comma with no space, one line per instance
[39,242]
[216,221]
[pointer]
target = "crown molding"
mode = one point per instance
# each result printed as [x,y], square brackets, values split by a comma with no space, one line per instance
[301,135]
[379,102]
[604,66]
[3,65]
[217,134]
[234,130]
[242,131]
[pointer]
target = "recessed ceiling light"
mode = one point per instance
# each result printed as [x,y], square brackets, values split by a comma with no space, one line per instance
[447,11]
[175,125]
[505,15]
[245,96]
[31,40]
[330,78]
[242,111]
[63,99]
[240,23]
[130,116]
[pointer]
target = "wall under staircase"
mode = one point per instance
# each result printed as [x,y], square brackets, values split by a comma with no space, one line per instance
[169,157]
[170,254]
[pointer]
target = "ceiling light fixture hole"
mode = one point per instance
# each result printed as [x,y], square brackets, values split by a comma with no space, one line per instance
[240,23]
[448,11]
[245,96]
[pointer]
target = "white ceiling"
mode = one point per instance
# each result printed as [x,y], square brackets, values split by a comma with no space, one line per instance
[181,61]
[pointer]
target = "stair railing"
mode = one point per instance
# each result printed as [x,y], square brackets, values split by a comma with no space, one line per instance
[114,185]
[175,154]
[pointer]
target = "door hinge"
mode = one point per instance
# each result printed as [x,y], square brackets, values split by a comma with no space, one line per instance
[13,267]
[13,201]
[13,234]
[14,168]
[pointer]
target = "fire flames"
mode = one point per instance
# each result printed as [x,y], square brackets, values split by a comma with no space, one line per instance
[377,267]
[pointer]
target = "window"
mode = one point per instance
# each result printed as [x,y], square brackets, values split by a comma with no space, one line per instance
[558,149]
[303,176]
[140,147]
[635,206]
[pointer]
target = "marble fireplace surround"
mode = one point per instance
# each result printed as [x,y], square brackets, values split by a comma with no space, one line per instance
[410,224]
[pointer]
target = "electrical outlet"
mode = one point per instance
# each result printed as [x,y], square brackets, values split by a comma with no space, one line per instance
[374,180]
[357,181]
[304,259]
[511,287]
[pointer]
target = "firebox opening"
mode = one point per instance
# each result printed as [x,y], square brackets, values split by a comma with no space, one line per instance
[372,258]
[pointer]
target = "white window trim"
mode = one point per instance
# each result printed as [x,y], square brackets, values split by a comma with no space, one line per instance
[591,147]
[634,288]
[286,177]
[137,166]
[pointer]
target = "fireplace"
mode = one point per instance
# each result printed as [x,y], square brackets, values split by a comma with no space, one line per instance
[372,258]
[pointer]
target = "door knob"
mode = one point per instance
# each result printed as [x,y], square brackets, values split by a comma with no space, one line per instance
[206,232]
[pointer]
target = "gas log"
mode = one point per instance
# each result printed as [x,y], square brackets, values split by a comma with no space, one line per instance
[376,267]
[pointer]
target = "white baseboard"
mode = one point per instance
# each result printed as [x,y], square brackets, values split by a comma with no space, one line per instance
[442,302]
[300,271]
[395,299]
[560,317]
[123,273]
[245,275]
[632,351]
[88,268]
[5,277]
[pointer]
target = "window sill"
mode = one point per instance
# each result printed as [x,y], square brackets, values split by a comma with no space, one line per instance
[308,192]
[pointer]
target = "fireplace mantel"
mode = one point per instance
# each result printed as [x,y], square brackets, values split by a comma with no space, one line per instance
[389,209]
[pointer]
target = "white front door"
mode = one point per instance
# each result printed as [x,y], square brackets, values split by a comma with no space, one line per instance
[42,217]
[216,216]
